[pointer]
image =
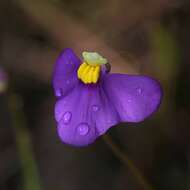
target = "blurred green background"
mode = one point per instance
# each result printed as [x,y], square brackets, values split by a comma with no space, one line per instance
[137,36]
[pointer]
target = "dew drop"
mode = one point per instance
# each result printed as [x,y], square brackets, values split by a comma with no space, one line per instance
[64,102]
[68,82]
[69,62]
[95,108]
[139,90]
[58,92]
[129,100]
[67,117]
[83,128]
[109,121]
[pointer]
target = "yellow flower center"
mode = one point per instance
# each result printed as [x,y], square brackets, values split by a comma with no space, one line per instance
[89,70]
[88,74]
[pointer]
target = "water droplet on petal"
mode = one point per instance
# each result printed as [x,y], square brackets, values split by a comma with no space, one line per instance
[68,82]
[58,92]
[109,121]
[95,108]
[83,128]
[64,102]
[68,62]
[139,90]
[67,117]
[129,100]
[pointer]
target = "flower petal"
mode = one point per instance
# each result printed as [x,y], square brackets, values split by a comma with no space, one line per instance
[84,114]
[65,72]
[134,97]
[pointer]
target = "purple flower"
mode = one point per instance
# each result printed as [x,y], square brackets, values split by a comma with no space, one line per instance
[90,100]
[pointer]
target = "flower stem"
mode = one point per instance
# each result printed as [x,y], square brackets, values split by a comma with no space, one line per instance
[126,161]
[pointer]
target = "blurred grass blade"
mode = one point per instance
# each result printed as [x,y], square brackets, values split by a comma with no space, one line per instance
[31,178]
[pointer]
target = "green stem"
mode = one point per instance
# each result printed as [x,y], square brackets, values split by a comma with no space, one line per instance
[22,137]
[126,161]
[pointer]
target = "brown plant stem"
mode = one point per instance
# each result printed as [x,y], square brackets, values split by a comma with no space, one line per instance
[127,162]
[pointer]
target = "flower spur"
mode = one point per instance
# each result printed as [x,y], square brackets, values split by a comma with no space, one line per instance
[91,100]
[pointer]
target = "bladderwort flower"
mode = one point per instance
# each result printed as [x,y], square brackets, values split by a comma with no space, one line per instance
[91,100]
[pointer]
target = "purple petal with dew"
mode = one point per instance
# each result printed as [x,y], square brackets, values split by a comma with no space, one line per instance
[134,97]
[84,114]
[65,72]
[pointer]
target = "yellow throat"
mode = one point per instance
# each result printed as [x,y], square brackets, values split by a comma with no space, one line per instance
[89,70]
